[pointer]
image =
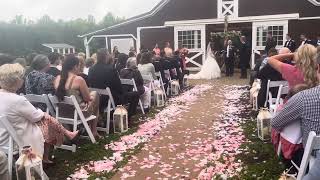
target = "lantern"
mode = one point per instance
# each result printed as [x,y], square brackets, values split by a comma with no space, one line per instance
[185,81]
[264,124]
[29,166]
[120,119]
[175,87]
[159,98]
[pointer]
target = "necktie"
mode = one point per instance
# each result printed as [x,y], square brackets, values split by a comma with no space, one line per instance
[228,50]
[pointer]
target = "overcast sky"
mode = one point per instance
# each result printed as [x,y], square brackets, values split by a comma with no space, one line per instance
[72,9]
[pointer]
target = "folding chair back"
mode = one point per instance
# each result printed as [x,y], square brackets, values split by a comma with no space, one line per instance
[273,84]
[43,99]
[131,82]
[13,139]
[313,143]
[148,79]
[78,117]
[158,74]
[110,106]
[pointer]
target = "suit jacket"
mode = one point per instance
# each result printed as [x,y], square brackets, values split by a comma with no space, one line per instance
[244,52]
[232,52]
[291,44]
[271,43]
[103,75]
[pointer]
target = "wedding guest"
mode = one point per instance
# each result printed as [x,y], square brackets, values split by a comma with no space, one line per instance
[5,59]
[229,58]
[81,68]
[33,127]
[4,174]
[244,52]
[69,83]
[132,54]
[54,59]
[21,61]
[318,40]
[304,70]
[303,108]
[122,61]
[271,42]
[38,81]
[156,50]
[115,52]
[305,40]
[103,75]
[146,67]
[168,50]
[89,62]
[267,73]
[290,43]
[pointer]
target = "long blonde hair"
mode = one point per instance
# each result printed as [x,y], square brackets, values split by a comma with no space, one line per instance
[305,58]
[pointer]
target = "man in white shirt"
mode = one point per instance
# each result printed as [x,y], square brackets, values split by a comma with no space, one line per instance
[229,58]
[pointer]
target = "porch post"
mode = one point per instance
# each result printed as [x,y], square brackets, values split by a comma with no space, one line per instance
[138,44]
[86,45]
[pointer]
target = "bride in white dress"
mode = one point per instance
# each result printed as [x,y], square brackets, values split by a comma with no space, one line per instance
[210,68]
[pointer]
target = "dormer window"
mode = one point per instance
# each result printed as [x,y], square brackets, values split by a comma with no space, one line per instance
[228,8]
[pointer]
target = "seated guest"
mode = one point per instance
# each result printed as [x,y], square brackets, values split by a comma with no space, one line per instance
[81,71]
[146,67]
[304,70]
[4,174]
[265,74]
[54,59]
[122,61]
[70,83]
[303,108]
[177,71]
[33,127]
[103,75]
[89,62]
[38,81]
[132,72]
[21,61]
[132,54]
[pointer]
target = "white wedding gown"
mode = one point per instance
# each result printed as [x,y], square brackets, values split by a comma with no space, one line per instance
[210,68]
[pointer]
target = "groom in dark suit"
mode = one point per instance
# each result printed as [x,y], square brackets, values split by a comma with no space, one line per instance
[229,58]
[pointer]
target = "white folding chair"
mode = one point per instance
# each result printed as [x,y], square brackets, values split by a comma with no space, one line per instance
[168,76]
[269,98]
[13,139]
[148,80]
[78,118]
[131,82]
[158,74]
[313,143]
[110,106]
[43,99]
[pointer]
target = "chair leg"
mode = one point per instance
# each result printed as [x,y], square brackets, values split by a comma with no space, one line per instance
[141,106]
[10,157]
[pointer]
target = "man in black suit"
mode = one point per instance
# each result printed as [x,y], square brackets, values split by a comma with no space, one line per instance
[229,54]
[305,40]
[271,42]
[103,75]
[290,43]
[244,52]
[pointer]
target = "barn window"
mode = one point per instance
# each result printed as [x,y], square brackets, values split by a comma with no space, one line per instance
[190,39]
[228,8]
[277,33]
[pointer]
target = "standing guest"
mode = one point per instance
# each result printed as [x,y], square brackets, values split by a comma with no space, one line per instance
[103,75]
[318,40]
[244,56]
[122,61]
[115,52]
[168,50]
[69,83]
[38,81]
[156,50]
[89,62]
[305,40]
[21,61]
[303,108]
[271,42]
[229,54]
[290,43]
[146,67]
[54,59]
[304,70]
[33,127]
[4,174]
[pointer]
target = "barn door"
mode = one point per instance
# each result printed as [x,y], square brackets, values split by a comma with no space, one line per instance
[193,38]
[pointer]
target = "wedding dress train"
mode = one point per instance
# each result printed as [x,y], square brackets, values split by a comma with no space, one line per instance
[210,68]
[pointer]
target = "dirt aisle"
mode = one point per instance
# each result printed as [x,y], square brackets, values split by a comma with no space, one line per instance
[178,151]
